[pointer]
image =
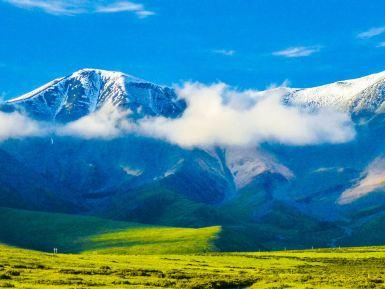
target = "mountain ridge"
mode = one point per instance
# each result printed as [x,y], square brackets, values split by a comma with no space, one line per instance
[273,194]
[346,95]
[353,95]
[85,91]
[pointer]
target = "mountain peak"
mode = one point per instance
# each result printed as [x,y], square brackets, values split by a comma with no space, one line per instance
[72,97]
[354,95]
[83,75]
[105,74]
[86,90]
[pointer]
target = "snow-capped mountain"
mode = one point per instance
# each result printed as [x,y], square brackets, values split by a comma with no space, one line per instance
[69,98]
[365,94]
[83,92]
[317,194]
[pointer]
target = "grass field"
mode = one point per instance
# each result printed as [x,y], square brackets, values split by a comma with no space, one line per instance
[108,254]
[75,234]
[320,269]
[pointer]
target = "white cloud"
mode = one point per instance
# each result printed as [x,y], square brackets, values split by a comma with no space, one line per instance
[215,116]
[124,6]
[144,13]
[51,7]
[371,33]
[106,123]
[373,179]
[224,52]
[381,44]
[16,125]
[73,7]
[300,51]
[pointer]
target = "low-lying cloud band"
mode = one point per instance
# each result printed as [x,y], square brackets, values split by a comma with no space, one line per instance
[216,115]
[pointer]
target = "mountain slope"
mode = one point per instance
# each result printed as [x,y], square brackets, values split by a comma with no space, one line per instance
[365,94]
[21,187]
[97,175]
[85,91]
[270,196]
[68,233]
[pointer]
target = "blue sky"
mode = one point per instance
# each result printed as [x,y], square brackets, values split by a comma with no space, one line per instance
[245,43]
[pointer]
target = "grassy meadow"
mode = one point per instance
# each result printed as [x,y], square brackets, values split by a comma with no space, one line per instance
[326,269]
[100,253]
[76,234]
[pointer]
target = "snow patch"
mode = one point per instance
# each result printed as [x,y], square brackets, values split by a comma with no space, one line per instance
[246,164]
[373,179]
[131,171]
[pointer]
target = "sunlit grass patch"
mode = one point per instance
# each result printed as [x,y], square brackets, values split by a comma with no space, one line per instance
[314,269]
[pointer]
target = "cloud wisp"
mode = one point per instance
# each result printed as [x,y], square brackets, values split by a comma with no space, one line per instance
[74,7]
[299,51]
[372,32]
[225,52]
[125,6]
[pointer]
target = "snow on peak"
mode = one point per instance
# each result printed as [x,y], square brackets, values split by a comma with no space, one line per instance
[106,74]
[34,92]
[86,90]
[344,95]
[82,75]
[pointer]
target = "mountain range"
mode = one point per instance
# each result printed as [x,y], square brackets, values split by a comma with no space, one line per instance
[268,196]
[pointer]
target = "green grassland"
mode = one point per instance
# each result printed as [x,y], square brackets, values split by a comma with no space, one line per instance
[100,253]
[75,234]
[319,269]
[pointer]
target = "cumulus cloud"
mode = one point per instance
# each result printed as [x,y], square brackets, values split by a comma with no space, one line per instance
[73,7]
[300,51]
[372,32]
[16,125]
[106,123]
[373,179]
[218,115]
